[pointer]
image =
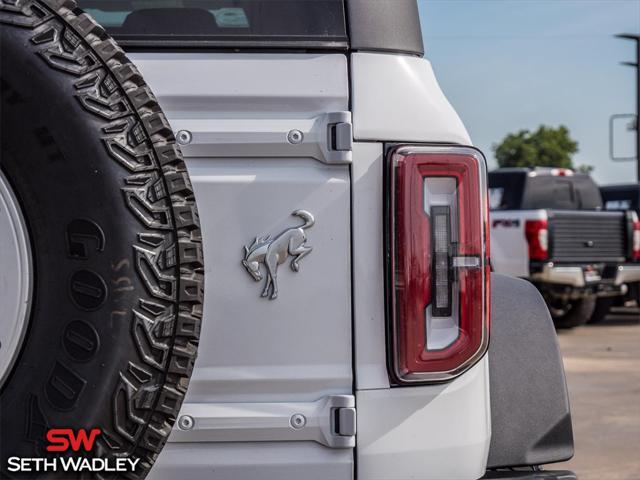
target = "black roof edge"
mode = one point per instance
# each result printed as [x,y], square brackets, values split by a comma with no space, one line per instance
[385,25]
[622,186]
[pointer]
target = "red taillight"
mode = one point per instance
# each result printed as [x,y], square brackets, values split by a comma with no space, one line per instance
[636,241]
[562,172]
[537,233]
[438,262]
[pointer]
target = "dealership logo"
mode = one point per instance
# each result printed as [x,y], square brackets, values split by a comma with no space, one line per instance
[65,441]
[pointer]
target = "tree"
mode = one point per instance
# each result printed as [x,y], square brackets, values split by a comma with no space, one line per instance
[546,147]
[587,169]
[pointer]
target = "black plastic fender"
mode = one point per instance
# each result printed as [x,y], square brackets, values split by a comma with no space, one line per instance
[530,414]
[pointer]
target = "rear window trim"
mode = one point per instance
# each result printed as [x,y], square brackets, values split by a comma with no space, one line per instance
[235,44]
[163,30]
[369,28]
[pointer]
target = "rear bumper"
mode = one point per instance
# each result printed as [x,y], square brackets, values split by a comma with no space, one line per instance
[574,275]
[627,274]
[530,475]
[563,275]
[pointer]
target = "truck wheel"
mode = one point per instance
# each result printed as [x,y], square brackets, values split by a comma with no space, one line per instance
[601,310]
[104,246]
[578,313]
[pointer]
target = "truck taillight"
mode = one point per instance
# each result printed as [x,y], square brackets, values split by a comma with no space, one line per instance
[562,172]
[636,241]
[438,266]
[537,233]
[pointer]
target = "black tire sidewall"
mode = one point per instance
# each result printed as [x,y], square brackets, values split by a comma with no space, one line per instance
[87,342]
[579,313]
[60,172]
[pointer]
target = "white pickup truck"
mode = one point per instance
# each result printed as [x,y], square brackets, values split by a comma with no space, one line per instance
[343,330]
[549,226]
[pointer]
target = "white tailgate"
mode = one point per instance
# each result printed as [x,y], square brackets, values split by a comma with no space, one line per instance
[261,361]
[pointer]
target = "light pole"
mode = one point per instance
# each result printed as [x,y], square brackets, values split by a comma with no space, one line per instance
[636,65]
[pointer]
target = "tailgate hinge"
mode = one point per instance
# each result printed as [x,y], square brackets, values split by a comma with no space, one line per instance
[329,421]
[327,138]
[340,135]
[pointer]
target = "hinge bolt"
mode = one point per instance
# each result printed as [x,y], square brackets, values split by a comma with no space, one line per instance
[184,137]
[298,420]
[186,422]
[295,137]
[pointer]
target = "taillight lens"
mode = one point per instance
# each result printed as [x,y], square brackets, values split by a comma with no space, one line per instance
[537,233]
[439,292]
[636,241]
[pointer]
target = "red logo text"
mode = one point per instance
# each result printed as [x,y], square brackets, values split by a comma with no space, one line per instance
[63,439]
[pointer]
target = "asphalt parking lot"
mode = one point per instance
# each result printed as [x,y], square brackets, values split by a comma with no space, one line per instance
[602,364]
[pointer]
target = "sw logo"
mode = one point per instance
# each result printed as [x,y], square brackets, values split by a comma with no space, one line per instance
[61,439]
[65,440]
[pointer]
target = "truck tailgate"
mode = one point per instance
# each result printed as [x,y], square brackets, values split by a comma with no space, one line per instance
[587,236]
[254,133]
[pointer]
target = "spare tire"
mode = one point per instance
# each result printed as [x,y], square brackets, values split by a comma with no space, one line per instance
[116,273]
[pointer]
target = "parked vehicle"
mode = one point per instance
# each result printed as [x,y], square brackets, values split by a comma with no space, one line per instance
[548,226]
[343,328]
[621,198]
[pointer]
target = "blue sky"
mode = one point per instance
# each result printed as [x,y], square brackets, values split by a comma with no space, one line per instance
[512,64]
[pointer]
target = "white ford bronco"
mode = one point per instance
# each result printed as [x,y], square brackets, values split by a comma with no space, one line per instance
[333,279]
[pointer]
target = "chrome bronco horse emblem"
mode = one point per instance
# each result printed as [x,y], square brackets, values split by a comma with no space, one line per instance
[273,252]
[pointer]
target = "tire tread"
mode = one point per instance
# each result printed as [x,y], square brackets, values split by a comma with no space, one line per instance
[159,194]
